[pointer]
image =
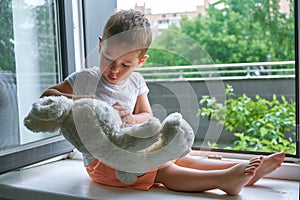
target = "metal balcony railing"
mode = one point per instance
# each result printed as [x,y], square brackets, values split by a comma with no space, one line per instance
[257,70]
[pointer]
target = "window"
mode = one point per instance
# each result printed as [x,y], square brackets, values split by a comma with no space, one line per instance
[38,42]
[238,59]
[37,50]
[33,50]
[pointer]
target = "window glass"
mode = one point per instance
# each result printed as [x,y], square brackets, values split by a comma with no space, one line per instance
[228,66]
[29,63]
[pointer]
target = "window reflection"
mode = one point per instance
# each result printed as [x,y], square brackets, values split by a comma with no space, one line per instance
[28,64]
[8,111]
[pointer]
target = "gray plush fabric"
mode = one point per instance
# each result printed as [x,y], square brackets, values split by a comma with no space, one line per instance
[94,127]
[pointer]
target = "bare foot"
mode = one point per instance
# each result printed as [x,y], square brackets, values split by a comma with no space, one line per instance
[268,165]
[237,176]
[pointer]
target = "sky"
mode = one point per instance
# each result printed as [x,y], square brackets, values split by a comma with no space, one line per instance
[161,6]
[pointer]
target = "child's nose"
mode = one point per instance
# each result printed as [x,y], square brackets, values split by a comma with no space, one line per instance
[114,68]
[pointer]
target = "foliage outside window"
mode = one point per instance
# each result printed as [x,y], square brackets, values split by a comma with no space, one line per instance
[234,31]
[259,125]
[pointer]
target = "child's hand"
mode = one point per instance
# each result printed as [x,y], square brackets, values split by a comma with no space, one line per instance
[125,114]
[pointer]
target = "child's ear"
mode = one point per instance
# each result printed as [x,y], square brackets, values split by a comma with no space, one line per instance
[99,44]
[143,60]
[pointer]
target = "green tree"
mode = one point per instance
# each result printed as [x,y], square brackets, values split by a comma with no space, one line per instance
[7,54]
[241,31]
[167,52]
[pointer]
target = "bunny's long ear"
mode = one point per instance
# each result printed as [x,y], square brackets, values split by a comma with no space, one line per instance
[48,114]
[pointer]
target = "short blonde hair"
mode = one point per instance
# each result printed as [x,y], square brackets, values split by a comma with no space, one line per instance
[131,27]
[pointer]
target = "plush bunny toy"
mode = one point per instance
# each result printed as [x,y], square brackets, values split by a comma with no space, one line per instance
[95,128]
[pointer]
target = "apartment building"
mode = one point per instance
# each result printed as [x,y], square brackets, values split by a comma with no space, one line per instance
[161,21]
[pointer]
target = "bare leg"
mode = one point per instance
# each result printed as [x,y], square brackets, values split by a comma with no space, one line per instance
[197,162]
[229,180]
[269,164]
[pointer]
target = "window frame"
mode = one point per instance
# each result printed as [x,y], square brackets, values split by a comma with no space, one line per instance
[297,78]
[35,152]
[28,154]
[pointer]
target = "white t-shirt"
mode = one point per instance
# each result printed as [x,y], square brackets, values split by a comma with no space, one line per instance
[91,82]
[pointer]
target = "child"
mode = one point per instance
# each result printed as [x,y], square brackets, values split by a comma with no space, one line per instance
[123,47]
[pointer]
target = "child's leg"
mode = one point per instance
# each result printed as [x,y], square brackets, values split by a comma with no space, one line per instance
[197,162]
[229,180]
[269,164]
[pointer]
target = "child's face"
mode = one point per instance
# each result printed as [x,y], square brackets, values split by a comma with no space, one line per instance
[116,65]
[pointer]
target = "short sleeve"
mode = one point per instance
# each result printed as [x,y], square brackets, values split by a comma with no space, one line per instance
[84,82]
[142,84]
[71,79]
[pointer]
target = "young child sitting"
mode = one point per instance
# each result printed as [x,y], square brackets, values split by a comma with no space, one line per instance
[123,46]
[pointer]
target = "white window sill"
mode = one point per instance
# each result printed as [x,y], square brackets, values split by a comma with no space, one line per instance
[67,179]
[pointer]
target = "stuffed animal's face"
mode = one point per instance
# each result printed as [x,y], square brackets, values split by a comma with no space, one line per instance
[48,114]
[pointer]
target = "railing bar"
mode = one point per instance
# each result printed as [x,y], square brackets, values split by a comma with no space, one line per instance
[215,72]
[231,65]
[238,71]
[220,78]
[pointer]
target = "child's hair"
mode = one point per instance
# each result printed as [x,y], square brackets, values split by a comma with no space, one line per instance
[131,27]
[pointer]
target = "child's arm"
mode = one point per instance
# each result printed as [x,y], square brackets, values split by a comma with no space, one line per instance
[60,89]
[63,89]
[142,111]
